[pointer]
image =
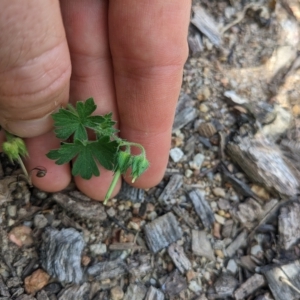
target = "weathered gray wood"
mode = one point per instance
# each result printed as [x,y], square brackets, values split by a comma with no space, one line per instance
[240,241]
[171,188]
[184,117]
[90,210]
[224,286]
[201,245]
[264,163]
[42,295]
[129,192]
[61,254]
[135,292]
[183,214]
[154,294]
[75,292]
[107,269]
[179,258]
[173,283]
[277,277]
[195,44]
[206,24]
[3,288]
[161,232]
[252,284]
[289,225]
[202,208]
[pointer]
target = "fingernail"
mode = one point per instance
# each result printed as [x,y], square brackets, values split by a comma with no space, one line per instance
[30,128]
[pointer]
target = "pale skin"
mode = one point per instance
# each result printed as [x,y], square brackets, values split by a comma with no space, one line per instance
[126,54]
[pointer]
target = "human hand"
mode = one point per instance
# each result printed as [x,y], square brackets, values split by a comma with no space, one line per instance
[128,55]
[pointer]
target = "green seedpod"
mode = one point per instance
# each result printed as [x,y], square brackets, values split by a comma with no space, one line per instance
[139,165]
[124,161]
[11,150]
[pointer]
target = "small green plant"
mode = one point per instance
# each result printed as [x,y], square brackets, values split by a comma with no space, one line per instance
[104,148]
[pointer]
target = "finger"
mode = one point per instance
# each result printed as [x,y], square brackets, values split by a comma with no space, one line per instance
[34,65]
[148,43]
[35,70]
[86,27]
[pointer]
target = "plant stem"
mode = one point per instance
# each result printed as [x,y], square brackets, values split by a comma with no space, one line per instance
[112,186]
[20,161]
[129,144]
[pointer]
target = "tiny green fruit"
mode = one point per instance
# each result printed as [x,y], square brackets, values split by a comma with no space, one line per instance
[11,150]
[139,165]
[124,161]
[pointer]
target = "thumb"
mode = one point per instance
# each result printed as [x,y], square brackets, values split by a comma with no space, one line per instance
[35,65]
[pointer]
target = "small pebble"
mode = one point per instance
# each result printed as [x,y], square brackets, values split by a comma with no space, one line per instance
[219,192]
[219,253]
[188,173]
[12,210]
[260,191]
[176,154]
[232,266]
[152,215]
[98,249]
[40,221]
[220,219]
[21,235]
[36,281]
[255,250]
[203,108]
[116,293]
[111,212]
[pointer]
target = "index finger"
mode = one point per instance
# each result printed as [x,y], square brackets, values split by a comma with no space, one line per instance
[148,42]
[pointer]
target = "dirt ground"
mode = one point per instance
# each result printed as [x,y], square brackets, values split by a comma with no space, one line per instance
[223,223]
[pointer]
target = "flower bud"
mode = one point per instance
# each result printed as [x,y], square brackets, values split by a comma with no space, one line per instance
[124,161]
[21,146]
[139,165]
[11,150]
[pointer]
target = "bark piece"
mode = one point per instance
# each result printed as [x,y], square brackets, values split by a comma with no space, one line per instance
[202,208]
[89,210]
[240,241]
[201,245]
[173,284]
[264,163]
[3,288]
[171,188]
[61,254]
[42,295]
[179,258]
[154,294]
[248,213]
[252,284]
[184,117]
[135,292]
[107,269]
[289,225]
[75,292]
[129,192]
[183,214]
[195,44]
[278,276]
[206,24]
[161,232]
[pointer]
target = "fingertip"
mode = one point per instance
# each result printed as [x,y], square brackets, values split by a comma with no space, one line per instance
[97,187]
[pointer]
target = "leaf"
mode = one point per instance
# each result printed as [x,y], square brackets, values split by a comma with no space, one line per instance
[68,121]
[86,154]
[105,127]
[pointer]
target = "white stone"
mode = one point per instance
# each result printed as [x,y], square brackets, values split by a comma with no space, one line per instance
[232,266]
[195,287]
[176,154]
[98,249]
[220,219]
[255,250]
[188,173]
[197,161]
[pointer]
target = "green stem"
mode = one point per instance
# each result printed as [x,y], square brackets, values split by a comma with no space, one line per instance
[20,161]
[112,186]
[8,136]
[129,144]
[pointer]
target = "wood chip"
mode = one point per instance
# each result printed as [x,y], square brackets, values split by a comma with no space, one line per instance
[225,285]
[252,284]
[207,129]
[239,242]
[179,258]
[173,283]
[107,269]
[184,117]
[129,192]
[135,292]
[75,292]
[3,288]
[289,225]
[283,280]
[171,188]
[195,44]
[64,246]
[92,210]
[263,162]
[202,208]
[161,232]
[154,294]
[201,245]
[206,24]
